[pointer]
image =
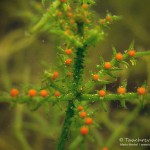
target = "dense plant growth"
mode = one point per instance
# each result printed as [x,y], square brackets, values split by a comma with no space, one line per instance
[78,28]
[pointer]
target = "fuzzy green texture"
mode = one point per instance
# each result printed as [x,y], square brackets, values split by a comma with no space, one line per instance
[80,39]
[66,126]
[77,76]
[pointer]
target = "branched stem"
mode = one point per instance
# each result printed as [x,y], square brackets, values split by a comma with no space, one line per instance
[78,69]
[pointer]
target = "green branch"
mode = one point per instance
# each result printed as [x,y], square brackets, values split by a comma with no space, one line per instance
[77,76]
[83,97]
[140,54]
[110,97]
[46,16]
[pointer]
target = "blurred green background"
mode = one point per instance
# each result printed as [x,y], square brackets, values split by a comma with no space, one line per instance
[22,60]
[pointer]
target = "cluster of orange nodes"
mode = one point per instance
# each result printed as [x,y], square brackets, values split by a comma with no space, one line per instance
[83,114]
[141,90]
[88,121]
[107,65]
[14,92]
[80,108]
[84,6]
[55,75]
[32,92]
[102,93]
[68,51]
[57,94]
[121,90]
[68,61]
[95,77]
[131,53]
[84,130]
[119,56]
[43,93]
[108,18]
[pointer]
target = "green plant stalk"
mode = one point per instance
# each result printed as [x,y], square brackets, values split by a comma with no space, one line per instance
[83,97]
[45,17]
[77,76]
[110,97]
[18,127]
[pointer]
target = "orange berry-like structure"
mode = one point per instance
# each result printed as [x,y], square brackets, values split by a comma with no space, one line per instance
[43,93]
[131,53]
[32,92]
[119,56]
[102,93]
[69,15]
[84,130]
[83,114]
[68,61]
[72,21]
[57,93]
[102,21]
[68,51]
[108,18]
[121,90]
[14,92]
[95,77]
[107,65]
[80,108]
[141,90]
[84,6]
[55,75]
[88,121]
